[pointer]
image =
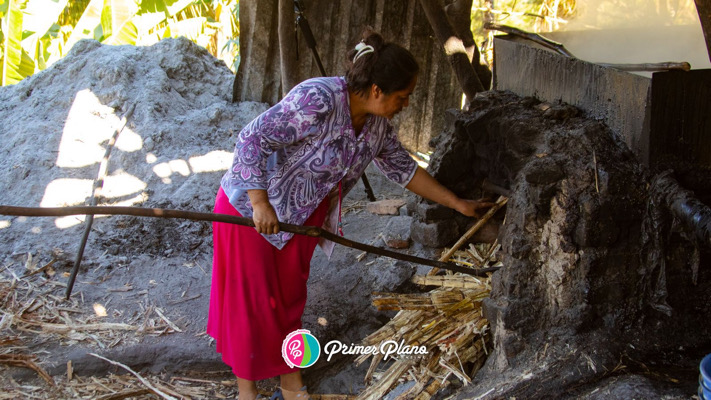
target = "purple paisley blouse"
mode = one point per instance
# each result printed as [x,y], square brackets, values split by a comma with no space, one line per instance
[300,149]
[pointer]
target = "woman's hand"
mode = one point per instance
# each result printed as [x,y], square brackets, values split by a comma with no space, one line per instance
[473,208]
[425,185]
[263,214]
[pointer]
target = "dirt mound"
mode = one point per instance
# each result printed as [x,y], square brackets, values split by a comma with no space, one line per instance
[172,152]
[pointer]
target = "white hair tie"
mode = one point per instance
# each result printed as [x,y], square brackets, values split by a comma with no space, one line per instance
[362,49]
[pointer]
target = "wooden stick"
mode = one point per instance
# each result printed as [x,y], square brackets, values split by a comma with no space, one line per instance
[48,327]
[597,185]
[38,270]
[125,394]
[21,360]
[500,202]
[140,378]
[230,219]
[95,195]
[652,67]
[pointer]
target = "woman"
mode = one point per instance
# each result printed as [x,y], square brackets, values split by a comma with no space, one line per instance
[294,164]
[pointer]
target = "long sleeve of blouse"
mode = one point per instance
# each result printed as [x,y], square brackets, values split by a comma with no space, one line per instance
[301,148]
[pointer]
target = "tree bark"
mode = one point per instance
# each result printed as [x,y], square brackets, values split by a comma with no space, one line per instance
[258,77]
[459,13]
[287,47]
[453,47]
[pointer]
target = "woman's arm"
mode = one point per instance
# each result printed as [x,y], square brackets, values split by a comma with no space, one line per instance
[291,120]
[424,185]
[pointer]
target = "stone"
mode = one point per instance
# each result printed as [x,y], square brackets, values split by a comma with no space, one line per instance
[432,212]
[434,234]
[397,232]
[385,207]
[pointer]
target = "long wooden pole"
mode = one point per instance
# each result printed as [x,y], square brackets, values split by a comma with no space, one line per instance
[95,196]
[212,217]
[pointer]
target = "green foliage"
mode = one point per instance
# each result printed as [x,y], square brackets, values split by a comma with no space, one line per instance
[36,33]
[15,63]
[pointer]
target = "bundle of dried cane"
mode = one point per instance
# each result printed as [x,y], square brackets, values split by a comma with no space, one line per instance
[447,321]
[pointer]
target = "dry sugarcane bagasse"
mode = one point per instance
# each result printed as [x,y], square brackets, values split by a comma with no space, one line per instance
[447,321]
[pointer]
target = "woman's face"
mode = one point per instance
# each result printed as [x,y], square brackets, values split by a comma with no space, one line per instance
[388,105]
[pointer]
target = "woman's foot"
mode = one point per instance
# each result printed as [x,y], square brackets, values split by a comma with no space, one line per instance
[247,390]
[301,394]
[292,387]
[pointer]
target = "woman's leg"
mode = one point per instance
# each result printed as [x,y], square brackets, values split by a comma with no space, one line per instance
[291,385]
[247,389]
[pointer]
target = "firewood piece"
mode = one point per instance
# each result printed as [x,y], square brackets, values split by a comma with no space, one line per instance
[37,271]
[167,321]
[494,188]
[500,202]
[143,380]
[62,328]
[430,390]
[125,394]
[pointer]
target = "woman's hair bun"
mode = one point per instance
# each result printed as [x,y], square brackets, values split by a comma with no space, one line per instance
[373,38]
[389,66]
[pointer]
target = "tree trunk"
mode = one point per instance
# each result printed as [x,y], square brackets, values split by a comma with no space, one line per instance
[337,25]
[459,13]
[453,47]
[258,75]
[287,46]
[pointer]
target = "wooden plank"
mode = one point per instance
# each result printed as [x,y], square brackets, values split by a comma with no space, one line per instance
[680,121]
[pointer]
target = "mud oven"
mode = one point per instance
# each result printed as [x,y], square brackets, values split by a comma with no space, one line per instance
[663,118]
[594,261]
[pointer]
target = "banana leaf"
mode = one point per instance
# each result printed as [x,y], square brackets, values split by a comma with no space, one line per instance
[15,65]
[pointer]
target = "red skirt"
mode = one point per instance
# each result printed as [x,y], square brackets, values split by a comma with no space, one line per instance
[258,293]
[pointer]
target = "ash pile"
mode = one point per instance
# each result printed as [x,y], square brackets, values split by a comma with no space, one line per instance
[143,284]
[603,290]
[171,153]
